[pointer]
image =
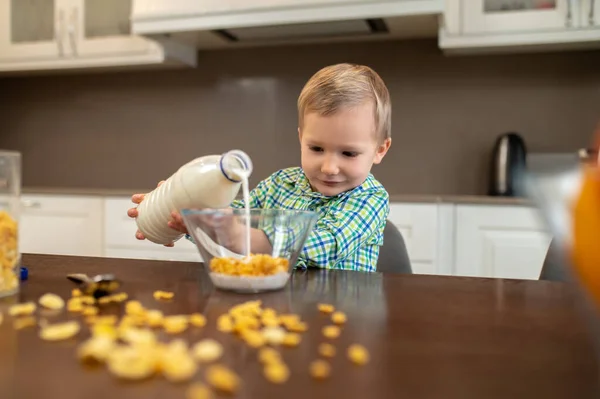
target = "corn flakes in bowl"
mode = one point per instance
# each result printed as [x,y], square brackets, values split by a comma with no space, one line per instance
[249,254]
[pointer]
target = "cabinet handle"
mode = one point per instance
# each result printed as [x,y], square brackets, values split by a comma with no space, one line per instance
[569,19]
[592,16]
[72,29]
[59,32]
[31,204]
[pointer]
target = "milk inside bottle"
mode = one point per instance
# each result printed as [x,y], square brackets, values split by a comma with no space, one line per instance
[211,181]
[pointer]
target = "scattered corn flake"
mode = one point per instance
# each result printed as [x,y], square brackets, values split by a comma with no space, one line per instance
[339,317]
[76,292]
[358,354]
[241,323]
[24,322]
[87,300]
[207,350]
[1,318]
[319,369]
[291,339]
[199,391]
[74,305]
[224,323]
[134,308]
[51,301]
[60,331]
[154,318]
[109,320]
[273,335]
[131,363]
[175,324]
[222,378]
[90,311]
[331,331]
[119,297]
[22,309]
[325,308]
[96,349]
[137,336]
[277,372]
[197,320]
[298,327]
[326,350]
[164,295]
[104,330]
[253,338]
[177,364]
[270,321]
[268,355]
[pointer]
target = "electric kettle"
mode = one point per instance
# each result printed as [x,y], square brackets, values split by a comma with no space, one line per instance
[508,166]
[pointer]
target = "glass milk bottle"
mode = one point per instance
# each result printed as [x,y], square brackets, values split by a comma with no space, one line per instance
[211,181]
[10,193]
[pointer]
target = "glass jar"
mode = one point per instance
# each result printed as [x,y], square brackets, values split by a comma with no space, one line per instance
[10,201]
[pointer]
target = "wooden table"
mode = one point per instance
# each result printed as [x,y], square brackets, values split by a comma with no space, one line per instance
[428,336]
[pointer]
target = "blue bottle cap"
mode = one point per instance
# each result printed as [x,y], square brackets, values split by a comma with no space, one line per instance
[24,273]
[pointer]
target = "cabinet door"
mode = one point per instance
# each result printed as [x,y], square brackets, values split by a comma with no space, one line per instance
[61,225]
[101,28]
[506,16]
[32,29]
[590,13]
[500,241]
[418,225]
[120,241]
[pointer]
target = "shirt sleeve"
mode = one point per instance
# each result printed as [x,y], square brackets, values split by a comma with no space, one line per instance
[342,231]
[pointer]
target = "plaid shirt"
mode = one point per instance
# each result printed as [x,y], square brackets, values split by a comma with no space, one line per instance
[349,230]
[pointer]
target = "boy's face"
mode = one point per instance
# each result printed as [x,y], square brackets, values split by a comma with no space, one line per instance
[339,150]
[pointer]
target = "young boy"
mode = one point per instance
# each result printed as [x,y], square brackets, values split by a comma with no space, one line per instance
[344,114]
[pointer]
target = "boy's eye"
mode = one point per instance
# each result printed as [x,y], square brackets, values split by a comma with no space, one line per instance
[316,149]
[350,154]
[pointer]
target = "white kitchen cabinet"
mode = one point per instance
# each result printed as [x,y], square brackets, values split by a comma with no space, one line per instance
[499,241]
[502,16]
[418,224]
[62,34]
[590,13]
[63,225]
[120,241]
[501,26]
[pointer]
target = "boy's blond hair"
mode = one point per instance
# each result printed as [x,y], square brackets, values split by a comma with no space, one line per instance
[346,85]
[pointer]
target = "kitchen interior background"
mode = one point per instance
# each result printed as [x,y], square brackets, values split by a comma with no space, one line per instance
[127,130]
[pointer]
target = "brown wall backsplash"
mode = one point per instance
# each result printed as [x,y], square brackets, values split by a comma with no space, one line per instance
[129,130]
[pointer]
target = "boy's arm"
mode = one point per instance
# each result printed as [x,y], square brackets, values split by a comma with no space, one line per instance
[257,197]
[341,232]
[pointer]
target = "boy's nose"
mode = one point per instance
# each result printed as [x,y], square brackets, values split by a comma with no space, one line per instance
[329,167]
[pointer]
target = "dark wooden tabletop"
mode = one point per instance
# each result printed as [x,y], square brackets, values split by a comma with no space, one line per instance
[428,336]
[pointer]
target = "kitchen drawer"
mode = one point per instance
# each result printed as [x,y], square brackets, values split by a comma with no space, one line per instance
[119,233]
[61,224]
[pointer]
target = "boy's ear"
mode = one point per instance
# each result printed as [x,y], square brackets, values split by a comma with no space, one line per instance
[382,149]
[299,134]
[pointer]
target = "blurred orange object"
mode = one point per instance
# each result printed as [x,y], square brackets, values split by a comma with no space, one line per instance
[585,251]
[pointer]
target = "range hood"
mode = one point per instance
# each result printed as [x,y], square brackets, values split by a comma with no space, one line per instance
[240,23]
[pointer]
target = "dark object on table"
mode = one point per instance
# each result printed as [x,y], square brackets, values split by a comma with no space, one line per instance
[97,286]
[24,275]
[553,268]
[393,256]
[508,166]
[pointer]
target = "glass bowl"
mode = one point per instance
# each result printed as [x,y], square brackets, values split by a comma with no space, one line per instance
[220,236]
